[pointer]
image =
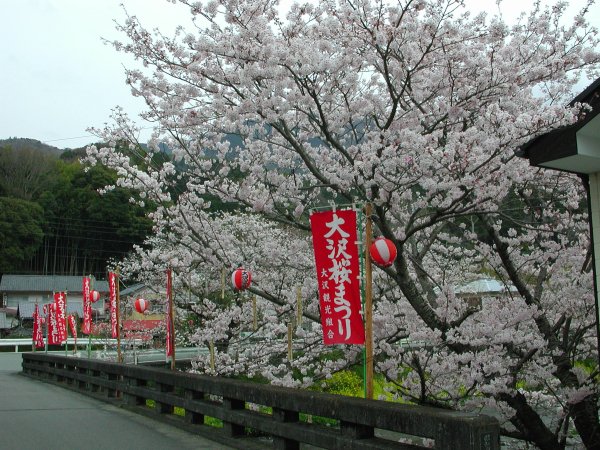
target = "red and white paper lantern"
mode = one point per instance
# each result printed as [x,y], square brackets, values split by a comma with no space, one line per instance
[383,252]
[241,279]
[141,305]
[94,296]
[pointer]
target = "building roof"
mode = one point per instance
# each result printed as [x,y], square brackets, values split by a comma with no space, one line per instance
[47,283]
[562,143]
[132,289]
[485,286]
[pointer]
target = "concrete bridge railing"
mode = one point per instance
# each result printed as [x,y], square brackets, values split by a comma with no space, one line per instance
[278,412]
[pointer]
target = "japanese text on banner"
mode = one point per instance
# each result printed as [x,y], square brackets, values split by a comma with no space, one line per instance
[86,327]
[112,296]
[338,268]
[60,302]
[53,338]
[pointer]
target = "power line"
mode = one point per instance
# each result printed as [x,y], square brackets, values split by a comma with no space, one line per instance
[67,139]
[82,137]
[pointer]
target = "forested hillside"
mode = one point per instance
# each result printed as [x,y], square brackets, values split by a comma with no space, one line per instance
[53,220]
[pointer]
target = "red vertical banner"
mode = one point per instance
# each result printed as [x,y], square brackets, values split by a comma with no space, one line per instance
[86,327]
[53,337]
[112,296]
[60,302]
[73,327]
[38,335]
[335,244]
[170,343]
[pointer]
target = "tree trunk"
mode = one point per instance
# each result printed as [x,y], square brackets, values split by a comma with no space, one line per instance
[529,423]
[585,416]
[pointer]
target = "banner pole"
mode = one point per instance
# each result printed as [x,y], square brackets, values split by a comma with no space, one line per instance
[66,327]
[47,326]
[34,328]
[118,301]
[368,305]
[171,321]
[89,346]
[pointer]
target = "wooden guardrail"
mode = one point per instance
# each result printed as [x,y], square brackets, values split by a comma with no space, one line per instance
[276,411]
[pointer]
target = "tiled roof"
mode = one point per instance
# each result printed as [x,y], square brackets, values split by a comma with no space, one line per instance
[132,289]
[46,283]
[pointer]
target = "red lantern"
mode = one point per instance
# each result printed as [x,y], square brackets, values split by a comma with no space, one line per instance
[94,296]
[141,305]
[241,279]
[383,252]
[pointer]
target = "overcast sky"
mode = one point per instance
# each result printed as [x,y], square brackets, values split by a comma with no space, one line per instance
[58,78]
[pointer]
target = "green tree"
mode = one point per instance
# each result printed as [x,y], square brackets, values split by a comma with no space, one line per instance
[85,229]
[21,232]
[25,173]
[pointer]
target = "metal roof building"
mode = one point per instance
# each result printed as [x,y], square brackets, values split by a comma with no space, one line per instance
[47,283]
[16,290]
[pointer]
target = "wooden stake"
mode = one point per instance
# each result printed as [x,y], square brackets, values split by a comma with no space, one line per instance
[223,283]
[289,341]
[299,311]
[171,318]
[212,356]
[368,305]
[254,314]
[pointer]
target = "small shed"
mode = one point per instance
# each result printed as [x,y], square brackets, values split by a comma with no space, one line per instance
[474,291]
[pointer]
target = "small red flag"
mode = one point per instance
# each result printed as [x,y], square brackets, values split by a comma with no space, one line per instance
[112,296]
[60,302]
[38,336]
[86,327]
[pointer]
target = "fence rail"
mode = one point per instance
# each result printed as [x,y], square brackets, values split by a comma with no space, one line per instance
[276,411]
[27,343]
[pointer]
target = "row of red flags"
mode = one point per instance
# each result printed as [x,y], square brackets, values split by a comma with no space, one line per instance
[54,314]
[56,317]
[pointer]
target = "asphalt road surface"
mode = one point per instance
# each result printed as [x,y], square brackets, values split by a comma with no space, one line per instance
[37,415]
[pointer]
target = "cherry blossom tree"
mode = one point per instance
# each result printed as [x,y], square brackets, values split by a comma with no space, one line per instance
[418,107]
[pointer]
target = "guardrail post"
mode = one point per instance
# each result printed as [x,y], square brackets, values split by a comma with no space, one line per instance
[73,369]
[95,374]
[112,392]
[59,378]
[132,399]
[82,384]
[232,429]
[191,416]
[164,408]
[281,443]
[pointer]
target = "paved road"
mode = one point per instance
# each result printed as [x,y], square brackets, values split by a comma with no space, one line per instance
[37,415]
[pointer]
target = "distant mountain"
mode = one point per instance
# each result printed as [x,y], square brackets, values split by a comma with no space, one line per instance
[19,143]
